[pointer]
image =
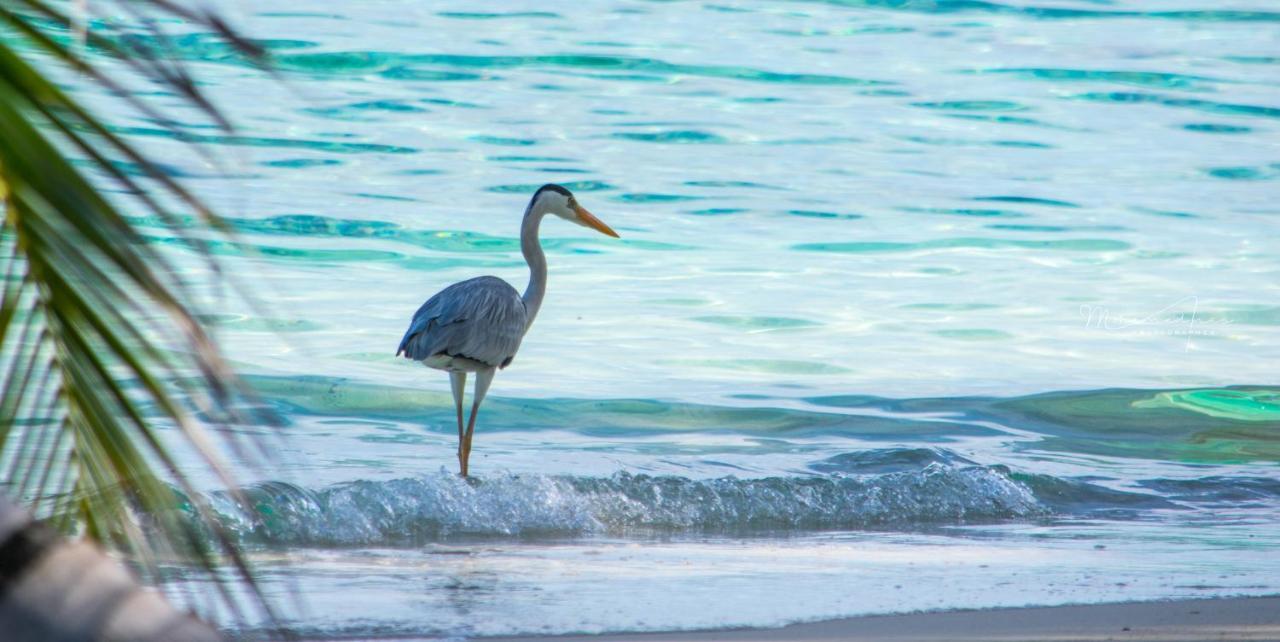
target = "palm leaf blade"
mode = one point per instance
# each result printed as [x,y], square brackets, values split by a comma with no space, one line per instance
[100,347]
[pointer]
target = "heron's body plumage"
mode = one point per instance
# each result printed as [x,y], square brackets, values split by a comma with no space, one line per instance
[469,325]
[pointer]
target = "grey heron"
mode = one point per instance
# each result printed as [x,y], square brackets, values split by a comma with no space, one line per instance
[477,325]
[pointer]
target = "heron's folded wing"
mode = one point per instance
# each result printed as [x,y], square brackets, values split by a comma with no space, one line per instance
[482,319]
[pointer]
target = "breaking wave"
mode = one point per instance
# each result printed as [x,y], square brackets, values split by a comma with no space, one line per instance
[891,488]
[442,505]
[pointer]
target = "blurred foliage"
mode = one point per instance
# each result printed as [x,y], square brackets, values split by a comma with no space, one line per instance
[104,365]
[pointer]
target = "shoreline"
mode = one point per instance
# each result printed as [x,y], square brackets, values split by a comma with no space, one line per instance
[1193,620]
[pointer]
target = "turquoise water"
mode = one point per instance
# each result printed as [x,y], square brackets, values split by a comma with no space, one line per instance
[918,305]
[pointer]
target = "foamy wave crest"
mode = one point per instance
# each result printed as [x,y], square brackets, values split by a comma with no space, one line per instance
[406,511]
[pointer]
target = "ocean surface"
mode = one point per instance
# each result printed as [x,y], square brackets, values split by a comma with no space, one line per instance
[918,305]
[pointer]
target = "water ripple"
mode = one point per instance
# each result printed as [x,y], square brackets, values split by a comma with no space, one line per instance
[1187,103]
[264,141]
[1140,78]
[973,105]
[1074,245]
[1056,13]
[408,66]
[1025,200]
[467,15]
[1257,173]
[529,188]
[679,136]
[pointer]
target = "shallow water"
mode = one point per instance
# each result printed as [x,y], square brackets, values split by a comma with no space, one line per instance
[917,306]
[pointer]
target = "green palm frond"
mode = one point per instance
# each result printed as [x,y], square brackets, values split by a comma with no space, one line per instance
[103,363]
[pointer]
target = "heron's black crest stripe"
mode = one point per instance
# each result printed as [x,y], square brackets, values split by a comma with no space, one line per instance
[549,187]
[552,187]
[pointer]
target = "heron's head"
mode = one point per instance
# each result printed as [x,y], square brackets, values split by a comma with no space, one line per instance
[554,199]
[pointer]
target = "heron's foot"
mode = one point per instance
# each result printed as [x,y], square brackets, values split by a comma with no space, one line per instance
[474,482]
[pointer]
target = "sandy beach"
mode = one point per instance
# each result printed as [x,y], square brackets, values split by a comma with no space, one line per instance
[1172,621]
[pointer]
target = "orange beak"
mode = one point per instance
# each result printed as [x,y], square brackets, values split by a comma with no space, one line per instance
[592,222]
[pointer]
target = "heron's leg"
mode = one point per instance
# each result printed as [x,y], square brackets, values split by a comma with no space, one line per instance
[459,381]
[483,379]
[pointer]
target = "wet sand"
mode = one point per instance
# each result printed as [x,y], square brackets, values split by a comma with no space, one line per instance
[1173,621]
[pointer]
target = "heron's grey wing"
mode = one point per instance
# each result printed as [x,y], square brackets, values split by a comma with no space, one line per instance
[482,319]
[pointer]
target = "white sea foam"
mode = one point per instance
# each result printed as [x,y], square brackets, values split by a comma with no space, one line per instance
[404,511]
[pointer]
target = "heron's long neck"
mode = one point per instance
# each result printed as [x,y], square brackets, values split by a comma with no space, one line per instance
[532,250]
